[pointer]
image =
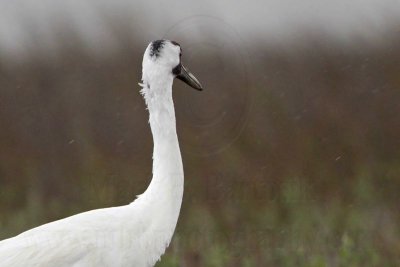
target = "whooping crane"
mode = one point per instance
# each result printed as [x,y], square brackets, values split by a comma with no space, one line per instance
[135,235]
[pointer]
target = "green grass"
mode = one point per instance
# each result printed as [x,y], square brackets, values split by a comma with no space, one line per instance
[294,226]
[293,230]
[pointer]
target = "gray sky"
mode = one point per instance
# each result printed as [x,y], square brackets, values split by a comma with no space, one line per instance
[28,24]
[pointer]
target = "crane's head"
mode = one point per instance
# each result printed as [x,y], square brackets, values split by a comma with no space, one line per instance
[162,58]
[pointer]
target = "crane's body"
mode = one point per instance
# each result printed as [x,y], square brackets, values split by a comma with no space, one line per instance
[135,235]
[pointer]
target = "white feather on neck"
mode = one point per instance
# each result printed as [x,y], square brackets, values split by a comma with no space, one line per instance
[163,197]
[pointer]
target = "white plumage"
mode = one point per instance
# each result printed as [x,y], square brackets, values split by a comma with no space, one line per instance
[135,235]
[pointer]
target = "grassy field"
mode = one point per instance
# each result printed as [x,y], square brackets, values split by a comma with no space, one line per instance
[293,225]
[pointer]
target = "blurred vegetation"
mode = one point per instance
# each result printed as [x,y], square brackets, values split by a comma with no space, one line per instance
[291,155]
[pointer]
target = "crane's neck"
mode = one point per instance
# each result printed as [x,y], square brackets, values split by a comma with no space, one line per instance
[160,204]
[166,186]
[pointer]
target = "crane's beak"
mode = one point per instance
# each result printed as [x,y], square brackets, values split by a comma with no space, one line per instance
[186,76]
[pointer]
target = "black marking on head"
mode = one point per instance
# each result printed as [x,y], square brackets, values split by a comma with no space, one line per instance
[175,43]
[177,70]
[156,47]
